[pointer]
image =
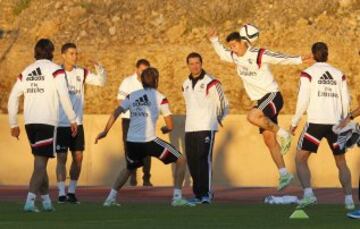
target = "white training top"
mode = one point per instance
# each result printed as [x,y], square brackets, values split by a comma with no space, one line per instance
[205,102]
[144,105]
[127,86]
[323,93]
[253,67]
[43,84]
[75,83]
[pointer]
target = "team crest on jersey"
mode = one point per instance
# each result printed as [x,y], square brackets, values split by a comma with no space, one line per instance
[202,86]
[250,61]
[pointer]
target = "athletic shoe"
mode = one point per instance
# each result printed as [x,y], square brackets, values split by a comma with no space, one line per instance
[181,202]
[285,143]
[307,201]
[61,199]
[354,214]
[284,181]
[195,200]
[350,206]
[31,208]
[205,200]
[47,206]
[111,203]
[147,183]
[71,198]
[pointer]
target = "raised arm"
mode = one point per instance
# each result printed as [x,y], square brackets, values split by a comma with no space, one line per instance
[221,51]
[98,79]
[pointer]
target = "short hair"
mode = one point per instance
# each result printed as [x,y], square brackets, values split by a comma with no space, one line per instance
[142,62]
[67,46]
[234,36]
[320,51]
[44,49]
[193,55]
[150,78]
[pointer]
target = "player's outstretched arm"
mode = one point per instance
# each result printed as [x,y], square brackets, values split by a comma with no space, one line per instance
[98,79]
[221,51]
[110,123]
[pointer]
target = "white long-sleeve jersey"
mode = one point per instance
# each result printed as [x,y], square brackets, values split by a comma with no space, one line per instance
[253,67]
[205,102]
[76,79]
[323,94]
[127,86]
[43,85]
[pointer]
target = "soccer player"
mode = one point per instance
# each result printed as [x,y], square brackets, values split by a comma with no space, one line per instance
[252,65]
[43,85]
[206,106]
[145,105]
[76,78]
[128,85]
[324,95]
[355,113]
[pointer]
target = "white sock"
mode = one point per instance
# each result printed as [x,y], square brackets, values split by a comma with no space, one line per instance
[349,199]
[308,192]
[283,171]
[61,188]
[177,194]
[72,186]
[282,133]
[30,199]
[46,198]
[112,195]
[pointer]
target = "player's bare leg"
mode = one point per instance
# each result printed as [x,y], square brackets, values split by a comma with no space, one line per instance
[36,181]
[345,180]
[118,184]
[257,118]
[75,170]
[274,148]
[304,174]
[61,175]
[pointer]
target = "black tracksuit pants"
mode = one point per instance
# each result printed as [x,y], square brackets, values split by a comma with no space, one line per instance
[199,147]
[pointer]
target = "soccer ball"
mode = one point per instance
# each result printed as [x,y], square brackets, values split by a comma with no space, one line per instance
[249,33]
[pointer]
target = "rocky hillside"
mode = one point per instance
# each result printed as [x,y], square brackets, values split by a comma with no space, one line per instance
[117,32]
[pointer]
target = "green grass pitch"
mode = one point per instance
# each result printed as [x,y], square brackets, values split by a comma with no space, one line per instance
[161,215]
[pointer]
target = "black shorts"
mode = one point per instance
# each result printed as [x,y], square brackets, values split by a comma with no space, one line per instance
[64,140]
[41,138]
[312,135]
[158,148]
[270,105]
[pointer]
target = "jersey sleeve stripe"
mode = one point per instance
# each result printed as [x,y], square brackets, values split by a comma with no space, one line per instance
[20,77]
[211,84]
[58,72]
[164,101]
[306,75]
[259,57]
[343,77]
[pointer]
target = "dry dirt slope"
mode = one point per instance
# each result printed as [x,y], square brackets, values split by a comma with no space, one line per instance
[117,32]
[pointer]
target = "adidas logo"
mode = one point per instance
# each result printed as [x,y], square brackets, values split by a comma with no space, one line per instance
[327,78]
[142,101]
[35,75]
